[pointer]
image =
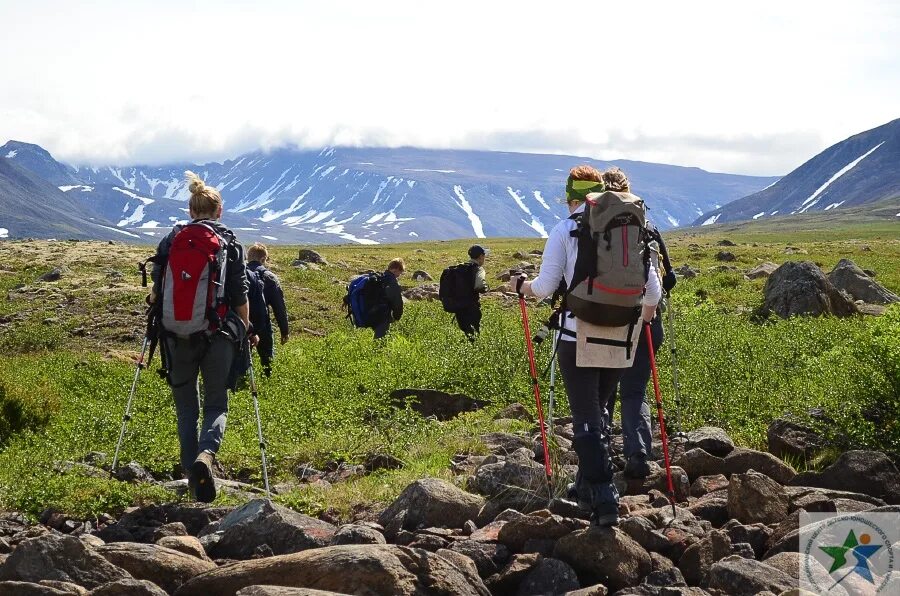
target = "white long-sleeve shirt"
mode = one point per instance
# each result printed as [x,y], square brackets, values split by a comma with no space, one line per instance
[558,263]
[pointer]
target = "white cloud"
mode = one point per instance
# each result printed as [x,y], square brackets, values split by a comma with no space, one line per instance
[755,88]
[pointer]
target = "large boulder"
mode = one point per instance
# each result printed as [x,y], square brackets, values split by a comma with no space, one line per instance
[374,569]
[549,576]
[430,502]
[711,439]
[698,462]
[605,555]
[247,531]
[868,472]
[539,525]
[742,460]
[131,587]
[848,277]
[166,567]
[800,288]
[789,439]
[489,557]
[754,497]
[310,256]
[518,482]
[737,576]
[60,558]
[440,404]
[762,270]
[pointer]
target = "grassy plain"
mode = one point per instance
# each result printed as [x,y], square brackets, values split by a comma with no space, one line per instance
[67,351]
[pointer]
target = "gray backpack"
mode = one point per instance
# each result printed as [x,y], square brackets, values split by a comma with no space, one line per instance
[613,260]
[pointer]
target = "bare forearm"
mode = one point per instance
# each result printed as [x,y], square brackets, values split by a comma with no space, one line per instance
[243,311]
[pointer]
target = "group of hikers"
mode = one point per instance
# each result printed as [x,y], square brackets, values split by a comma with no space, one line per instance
[606,262]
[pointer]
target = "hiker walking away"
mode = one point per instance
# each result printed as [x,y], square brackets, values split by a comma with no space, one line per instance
[199,275]
[636,426]
[589,386]
[390,307]
[460,291]
[273,298]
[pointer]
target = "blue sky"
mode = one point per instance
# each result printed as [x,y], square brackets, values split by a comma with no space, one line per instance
[753,88]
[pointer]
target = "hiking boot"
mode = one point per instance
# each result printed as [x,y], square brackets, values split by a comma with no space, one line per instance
[637,466]
[605,509]
[204,485]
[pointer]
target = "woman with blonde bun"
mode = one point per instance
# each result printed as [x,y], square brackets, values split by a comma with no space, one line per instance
[199,275]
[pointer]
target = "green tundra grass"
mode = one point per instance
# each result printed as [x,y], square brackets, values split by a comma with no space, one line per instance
[68,350]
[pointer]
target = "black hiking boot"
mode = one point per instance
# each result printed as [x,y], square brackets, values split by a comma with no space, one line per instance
[202,481]
[637,466]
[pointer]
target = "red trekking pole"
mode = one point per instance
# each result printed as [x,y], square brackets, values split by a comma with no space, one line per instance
[659,414]
[537,392]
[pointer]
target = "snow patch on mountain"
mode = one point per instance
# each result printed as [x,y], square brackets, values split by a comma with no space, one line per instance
[535,224]
[4,233]
[128,193]
[269,215]
[126,232]
[834,206]
[540,199]
[426,170]
[758,215]
[463,204]
[10,155]
[711,220]
[135,218]
[83,187]
[809,202]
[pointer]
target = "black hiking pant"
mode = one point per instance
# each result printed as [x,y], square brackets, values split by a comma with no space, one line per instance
[469,320]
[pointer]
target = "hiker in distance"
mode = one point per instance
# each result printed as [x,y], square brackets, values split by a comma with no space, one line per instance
[272,297]
[389,306]
[461,288]
[592,354]
[199,274]
[636,429]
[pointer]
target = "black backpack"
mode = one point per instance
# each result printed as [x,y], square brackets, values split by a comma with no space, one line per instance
[256,298]
[457,289]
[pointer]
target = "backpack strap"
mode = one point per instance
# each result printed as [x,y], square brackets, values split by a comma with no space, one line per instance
[618,343]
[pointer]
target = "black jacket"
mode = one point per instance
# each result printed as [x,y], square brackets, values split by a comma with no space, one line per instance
[274,294]
[235,273]
[392,296]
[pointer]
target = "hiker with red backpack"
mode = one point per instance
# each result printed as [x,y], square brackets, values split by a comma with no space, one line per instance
[600,252]
[199,275]
[461,288]
[268,295]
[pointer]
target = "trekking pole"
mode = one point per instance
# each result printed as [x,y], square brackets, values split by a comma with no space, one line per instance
[659,415]
[127,416]
[262,443]
[552,378]
[537,392]
[674,353]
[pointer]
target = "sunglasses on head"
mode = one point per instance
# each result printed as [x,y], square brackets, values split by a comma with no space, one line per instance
[578,190]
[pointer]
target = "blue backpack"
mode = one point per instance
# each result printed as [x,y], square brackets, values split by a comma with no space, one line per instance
[365,295]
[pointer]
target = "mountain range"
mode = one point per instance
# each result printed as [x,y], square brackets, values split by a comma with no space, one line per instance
[861,170]
[338,194]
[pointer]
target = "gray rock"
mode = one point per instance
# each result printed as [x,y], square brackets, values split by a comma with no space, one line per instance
[19,588]
[762,270]
[687,272]
[515,411]
[540,524]
[131,587]
[517,482]
[515,572]
[706,484]
[184,544]
[725,256]
[788,439]
[165,567]
[607,555]
[132,472]
[61,558]
[430,502]
[310,256]
[420,275]
[489,557]
[711,439]
[800,288]
[698,462]
[549,576]
[505,443]
[262,522]
[357,534]
[375,569]
[54,274]
[644,532]
[737,576]
[754,497]
[867,472]
[281,591]
[742,460]
[696,561]
[440,404]
[848,277]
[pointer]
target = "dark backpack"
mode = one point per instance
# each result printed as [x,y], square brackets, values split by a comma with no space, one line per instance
[256,298]
[365,296]
[457,289]
[193,288]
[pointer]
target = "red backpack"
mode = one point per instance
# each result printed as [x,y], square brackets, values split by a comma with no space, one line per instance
[193,289]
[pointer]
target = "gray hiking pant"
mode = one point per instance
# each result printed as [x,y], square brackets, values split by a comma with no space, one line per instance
[636,431]
[188,359]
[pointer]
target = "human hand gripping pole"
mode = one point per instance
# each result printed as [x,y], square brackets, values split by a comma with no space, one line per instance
[659,413]
[534,382]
